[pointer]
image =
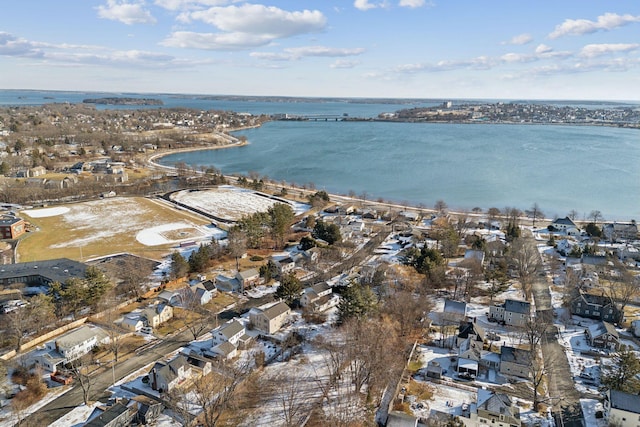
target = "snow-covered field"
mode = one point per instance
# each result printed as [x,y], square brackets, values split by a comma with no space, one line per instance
[230,202]
[94,222]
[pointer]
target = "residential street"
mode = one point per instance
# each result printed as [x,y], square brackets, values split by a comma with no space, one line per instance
[68,401]
[564,396]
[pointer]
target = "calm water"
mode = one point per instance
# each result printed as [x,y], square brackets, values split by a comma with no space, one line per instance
[559,167]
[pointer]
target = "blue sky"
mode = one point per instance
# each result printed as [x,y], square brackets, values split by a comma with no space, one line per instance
[570,49]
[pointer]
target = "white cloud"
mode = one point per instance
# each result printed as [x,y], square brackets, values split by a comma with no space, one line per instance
[517,57]
[264,20]
[520,39]
[11,45]
[364,5]
[606,22]
[190,4]
[594,50]
[215,41]
[296,53]
[127,13]
[341,63]
[543,48]
[411,3]
[244,27]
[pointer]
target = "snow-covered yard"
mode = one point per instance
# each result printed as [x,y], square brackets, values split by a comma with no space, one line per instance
[231,202]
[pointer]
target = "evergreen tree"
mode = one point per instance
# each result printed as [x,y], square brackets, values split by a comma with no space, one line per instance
[357,301]
[621,373]
[289,289]
[179,265]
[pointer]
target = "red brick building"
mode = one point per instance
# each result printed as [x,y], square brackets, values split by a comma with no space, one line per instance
[12,228]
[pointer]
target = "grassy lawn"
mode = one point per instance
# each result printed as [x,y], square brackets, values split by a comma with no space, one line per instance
[101,227]
[220,302]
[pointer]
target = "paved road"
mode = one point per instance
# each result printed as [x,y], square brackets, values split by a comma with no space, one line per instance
[565,398]
[103,380]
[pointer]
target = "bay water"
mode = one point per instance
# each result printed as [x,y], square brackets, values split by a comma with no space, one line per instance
[560,167]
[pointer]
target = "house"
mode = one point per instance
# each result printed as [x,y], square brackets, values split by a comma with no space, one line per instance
[434,370]
[165,376]
[472,254]
[248,278]
[157,314]
[511,312]
[227,284]
[318,297]
[593,306]
[12,227]
[71,346]
[231,332]
[515,361]
[148,409]
[116,415]
[564,224]
[205,291]
[173,298]
[626,252]
[620,231]
[635,327]
[271,319]
[493,409]
[285,265]
[472,330]
[622,409]
[132,322]
[603,335]
[454,311]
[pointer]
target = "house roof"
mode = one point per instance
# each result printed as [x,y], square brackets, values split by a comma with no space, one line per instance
[248,274]
[451,306]
[515,355]
[625,401]
[471,328]
[601,328]
[9,221]
[73,338]
[499,403]
[320,287]
[108,416]
[276,310]
[56,270]
[225,348]
[231,328]
[564,221]
[516,306]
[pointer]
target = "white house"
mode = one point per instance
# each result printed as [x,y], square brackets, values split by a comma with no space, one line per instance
[132,322]
[71,346]
[231,332]
[165,376]
[203,292]
[157,314]
[319,297]
[271,319]
[623,409]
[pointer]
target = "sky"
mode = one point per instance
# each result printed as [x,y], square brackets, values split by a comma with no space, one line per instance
[482,49]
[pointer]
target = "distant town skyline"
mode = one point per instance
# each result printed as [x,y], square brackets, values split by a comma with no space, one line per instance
[579,50]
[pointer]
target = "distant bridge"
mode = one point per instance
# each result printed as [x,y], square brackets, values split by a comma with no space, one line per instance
[311,117]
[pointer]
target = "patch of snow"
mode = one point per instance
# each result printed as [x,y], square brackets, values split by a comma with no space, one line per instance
[46,212]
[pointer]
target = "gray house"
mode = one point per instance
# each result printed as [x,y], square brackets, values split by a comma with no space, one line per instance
[511,312]
[599,307]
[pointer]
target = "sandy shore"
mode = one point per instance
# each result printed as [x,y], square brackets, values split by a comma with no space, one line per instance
[151,160]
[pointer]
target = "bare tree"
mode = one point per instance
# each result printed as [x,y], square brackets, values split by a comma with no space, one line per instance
[441,207]
[535,213]
[81,372]
[525,259]
[237,244]
[573,214]
[595,216]
[212,394]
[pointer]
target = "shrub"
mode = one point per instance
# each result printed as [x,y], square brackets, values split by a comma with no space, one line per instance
[256,258]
